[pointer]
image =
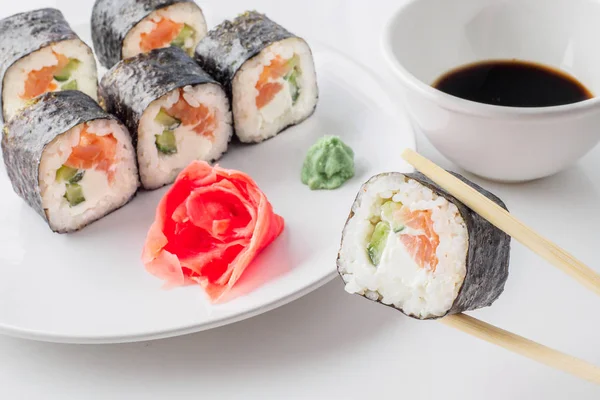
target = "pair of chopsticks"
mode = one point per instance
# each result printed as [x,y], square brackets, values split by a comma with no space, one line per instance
[503,220]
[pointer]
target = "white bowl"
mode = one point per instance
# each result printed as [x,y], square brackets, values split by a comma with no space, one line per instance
[426,38]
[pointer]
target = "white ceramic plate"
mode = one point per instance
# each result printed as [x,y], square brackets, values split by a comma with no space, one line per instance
[91,287]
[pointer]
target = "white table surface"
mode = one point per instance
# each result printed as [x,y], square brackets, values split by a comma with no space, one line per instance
[332,345]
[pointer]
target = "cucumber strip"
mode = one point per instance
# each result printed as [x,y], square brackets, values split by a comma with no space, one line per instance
[185,33]
[399,228]
[166,143]
[74,194]
[68,174]
[72,85]
[294,61]
[78,176]
[65,74]
[65,173]
[378,241]
[291,78]
[166,120]
[388,209]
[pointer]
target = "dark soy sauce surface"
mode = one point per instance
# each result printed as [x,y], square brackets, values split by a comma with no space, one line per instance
[513,83]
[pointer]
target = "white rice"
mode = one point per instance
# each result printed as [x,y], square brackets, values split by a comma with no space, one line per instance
[254,125]
[186,13]
[14,80]
[100,196]
[398,280]
[157,169]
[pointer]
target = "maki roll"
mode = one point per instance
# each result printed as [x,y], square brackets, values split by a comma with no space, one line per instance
[126,28]
[410,245]
[175,111]
[69,160]
[268,72]
[40,53]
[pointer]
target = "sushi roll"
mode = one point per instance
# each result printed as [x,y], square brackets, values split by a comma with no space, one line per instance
[69,160]
[410,245]
[175,111]
[40,53]
[126,28]
[268,72]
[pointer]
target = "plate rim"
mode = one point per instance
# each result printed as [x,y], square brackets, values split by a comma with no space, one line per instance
[38,336]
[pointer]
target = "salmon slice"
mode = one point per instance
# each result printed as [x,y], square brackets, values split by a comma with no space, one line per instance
[93,151]
[278,68]
[41,81]
[267,93]
[267,90]
[161,36]
[421,247]
[208,228]
[200,117]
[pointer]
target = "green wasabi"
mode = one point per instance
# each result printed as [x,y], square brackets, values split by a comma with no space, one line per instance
[328,164]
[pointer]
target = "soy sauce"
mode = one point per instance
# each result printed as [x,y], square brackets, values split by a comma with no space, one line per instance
[513,83]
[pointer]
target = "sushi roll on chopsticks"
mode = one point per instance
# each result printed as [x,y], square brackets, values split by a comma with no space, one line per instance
[40,53]
[126,28]
[175,111]
[69,160]
[268,72]
[410,245]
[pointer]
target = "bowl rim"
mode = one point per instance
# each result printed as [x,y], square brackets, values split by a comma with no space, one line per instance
[464,106]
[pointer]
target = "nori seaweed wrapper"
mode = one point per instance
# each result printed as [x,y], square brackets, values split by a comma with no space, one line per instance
[113,19]
[130,86]
[26,136]
[488,252]
[25,33]
[229,45]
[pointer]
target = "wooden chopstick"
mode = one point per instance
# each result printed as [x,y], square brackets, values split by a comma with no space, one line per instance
[505,221]
[502,219]
[525,347]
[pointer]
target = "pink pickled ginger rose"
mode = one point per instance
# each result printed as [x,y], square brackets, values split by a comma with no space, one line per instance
[209,227]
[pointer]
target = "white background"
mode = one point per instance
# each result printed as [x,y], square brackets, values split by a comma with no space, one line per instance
[332,345]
